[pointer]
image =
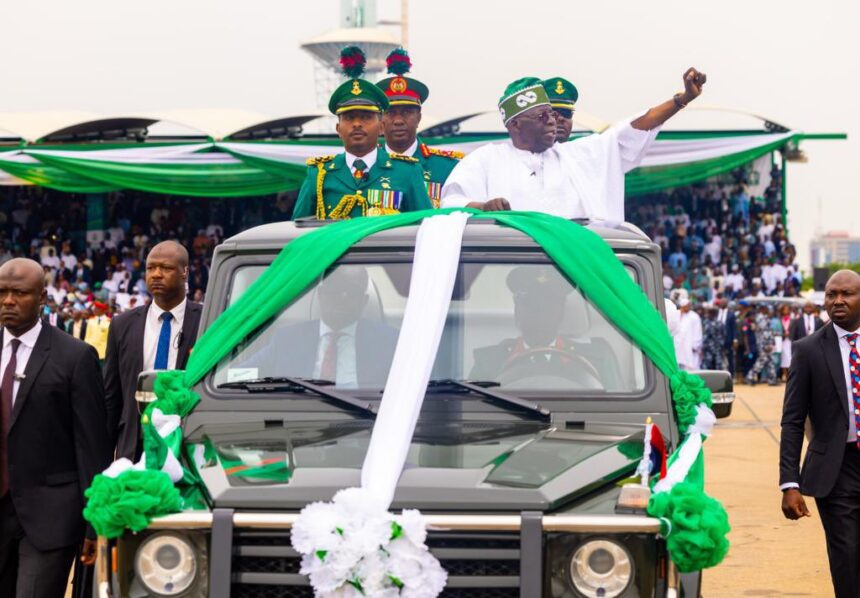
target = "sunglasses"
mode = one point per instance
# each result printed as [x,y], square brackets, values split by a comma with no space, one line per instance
[564,112]
[543,116]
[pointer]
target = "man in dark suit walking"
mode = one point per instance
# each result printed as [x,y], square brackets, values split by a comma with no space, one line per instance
[806,324]
[824,385]
[155,336]
[77,325]
[53,440]
[727,318]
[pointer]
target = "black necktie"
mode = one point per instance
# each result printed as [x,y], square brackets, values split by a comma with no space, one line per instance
[7,388]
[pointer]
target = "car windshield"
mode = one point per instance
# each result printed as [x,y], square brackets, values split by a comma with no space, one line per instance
[522,328]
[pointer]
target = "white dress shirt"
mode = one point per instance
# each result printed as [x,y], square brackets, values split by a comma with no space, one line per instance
[369,159]
[845,350]
[583,178]
[410,151]
[25,349]
[809,323]
[152,331]
[346,372]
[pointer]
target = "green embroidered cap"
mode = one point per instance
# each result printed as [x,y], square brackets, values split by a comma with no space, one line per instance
[521,95]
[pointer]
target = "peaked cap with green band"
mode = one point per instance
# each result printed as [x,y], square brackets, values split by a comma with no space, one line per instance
[562,93]
[400,90]
[520,96]
[356,93]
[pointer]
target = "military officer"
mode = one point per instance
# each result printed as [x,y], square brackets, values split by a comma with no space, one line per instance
[400,124]
[540,298]
[764,366]
[562,98]
[364,180]
[713,339]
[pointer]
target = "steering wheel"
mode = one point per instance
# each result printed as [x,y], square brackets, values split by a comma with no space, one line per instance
[579,370]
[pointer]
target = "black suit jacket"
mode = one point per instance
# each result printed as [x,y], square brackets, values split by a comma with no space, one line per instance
[816,389]
[70,327]
[61,322]
[57,438]
[293,352]
[731,329]
[123,364]
[797,328]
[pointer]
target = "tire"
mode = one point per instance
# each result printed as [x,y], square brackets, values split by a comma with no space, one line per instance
[691,585]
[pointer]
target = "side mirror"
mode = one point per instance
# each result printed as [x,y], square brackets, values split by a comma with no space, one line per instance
[722,390]
[145,393]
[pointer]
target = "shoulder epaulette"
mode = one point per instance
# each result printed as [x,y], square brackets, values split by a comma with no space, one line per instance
[319,160]
[402,157]
[428,151]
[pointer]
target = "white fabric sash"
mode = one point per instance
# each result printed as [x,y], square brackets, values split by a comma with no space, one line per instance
[434,270]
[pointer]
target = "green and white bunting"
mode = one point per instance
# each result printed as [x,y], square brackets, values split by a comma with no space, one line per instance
[234,169]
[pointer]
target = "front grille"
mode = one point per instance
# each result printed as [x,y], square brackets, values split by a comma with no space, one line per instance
[479,565]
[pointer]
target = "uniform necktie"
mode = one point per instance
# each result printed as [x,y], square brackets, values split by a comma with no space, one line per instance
[360,167]
[7,388]
[854,370]
[163,350]
[328,369]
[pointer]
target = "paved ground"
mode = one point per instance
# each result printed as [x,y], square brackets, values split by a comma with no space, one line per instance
[769,556]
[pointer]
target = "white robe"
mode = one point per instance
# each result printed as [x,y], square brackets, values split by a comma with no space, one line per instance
[583,178]
[688,341]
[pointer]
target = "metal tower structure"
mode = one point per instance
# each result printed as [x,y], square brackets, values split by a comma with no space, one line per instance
[358,27]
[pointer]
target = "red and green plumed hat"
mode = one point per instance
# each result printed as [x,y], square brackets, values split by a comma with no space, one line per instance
[400,90]
[356,93]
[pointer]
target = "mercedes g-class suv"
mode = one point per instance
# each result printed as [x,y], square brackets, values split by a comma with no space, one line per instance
[534,414]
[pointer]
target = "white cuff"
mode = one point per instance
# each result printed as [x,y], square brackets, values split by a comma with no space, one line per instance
[788,485]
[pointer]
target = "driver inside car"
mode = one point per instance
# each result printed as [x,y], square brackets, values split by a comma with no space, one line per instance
[542,348]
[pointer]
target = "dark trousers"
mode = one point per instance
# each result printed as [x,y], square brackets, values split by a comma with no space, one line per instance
[25,571]
[840,516]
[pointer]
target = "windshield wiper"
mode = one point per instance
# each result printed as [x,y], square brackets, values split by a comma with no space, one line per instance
[275,384]
[494,396]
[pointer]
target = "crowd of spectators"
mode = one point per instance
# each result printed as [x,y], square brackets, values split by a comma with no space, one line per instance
[83,268]
[719,241]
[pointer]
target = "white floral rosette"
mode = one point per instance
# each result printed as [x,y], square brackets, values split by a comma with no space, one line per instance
[353,546]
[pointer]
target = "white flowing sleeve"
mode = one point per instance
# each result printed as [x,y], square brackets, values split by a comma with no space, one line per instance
[468,181]
[597,165]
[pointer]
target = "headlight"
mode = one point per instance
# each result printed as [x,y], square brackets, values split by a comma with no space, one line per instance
[166,564]
[601,569]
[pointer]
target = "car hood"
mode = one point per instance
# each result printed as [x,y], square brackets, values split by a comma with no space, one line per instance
[462,466]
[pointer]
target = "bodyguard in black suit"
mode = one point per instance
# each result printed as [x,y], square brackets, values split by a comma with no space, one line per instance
[53,440]
[727,317]
[155,336]
[806,324]
[824,385]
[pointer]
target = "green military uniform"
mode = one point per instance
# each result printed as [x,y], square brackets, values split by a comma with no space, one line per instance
[437,165]
[407,91]
[393,184]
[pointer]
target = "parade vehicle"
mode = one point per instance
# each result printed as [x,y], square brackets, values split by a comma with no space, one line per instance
[534,416]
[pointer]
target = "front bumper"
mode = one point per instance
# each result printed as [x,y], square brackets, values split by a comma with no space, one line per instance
[528,532]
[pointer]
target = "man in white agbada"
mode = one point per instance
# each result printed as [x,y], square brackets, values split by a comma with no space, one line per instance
[583,178]
[688,340]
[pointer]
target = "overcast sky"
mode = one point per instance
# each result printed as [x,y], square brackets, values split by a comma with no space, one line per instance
[795,62]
